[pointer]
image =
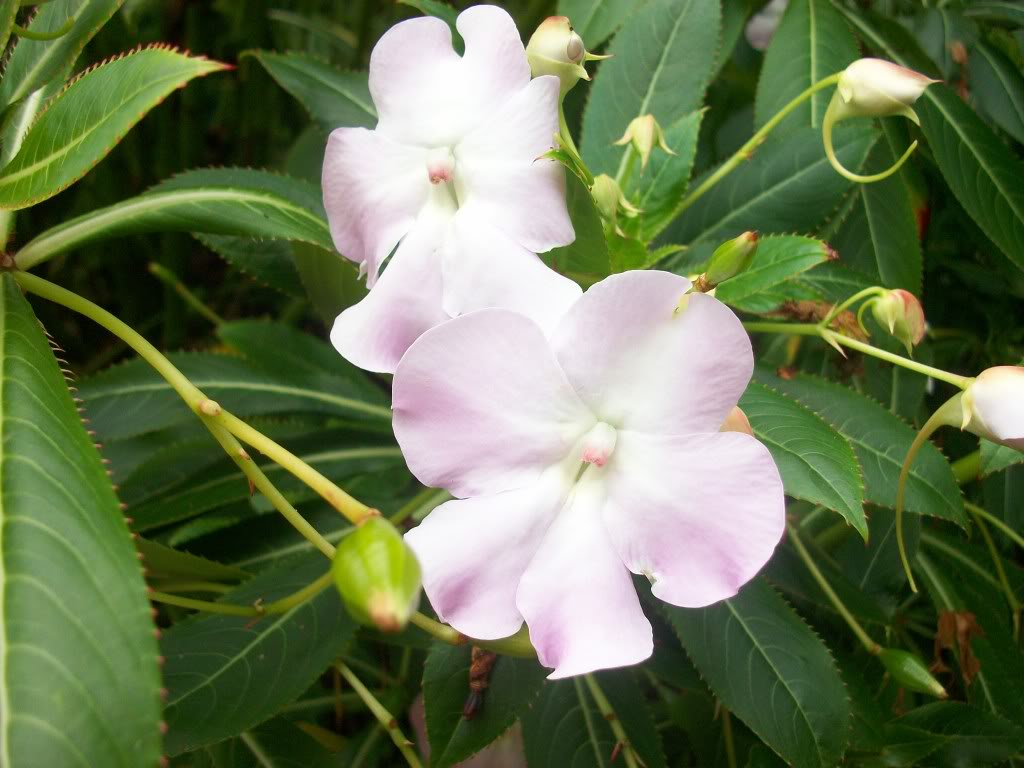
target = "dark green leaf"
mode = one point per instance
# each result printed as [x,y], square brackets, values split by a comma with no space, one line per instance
[276,743]
[960,735]
[164,562]
[817,464]
[663,59]
[998,86]
[81,125]
[778,258]
[1001,11]
[514,684]
[586,259]
[812,42]
[881,441]
[995,458]
[8,10]
[225,674]
[332,97]
[771,671]
[77,639]
[875,567]
[597,20]
[267,261]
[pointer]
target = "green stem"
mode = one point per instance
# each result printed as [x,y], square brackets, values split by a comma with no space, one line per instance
[869,645]
[283,605]
[747,150]
[605,708]
[564,133]
[426,499]
[967,468]
[30,34]
[167,277]
[516,645]
[625,171]
[997,561]
[384,717]
[995,521]
[791,329]
[874,290]
[730,746]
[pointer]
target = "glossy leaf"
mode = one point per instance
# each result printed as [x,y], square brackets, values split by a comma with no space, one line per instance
[778,258]
[35,63]
[597,20]
[998,87]
[770,669]
[225,674]
[995,458]
[881,441]
[812,42]
[333,97]
[513,686]
[585,259]
[957,734]
[268,262]
[663,58]
[224,201]
[788,186]
[78,644]
[81,125]
[817,464]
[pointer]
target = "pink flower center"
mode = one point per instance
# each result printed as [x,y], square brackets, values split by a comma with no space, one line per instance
[440,165]
[598,444]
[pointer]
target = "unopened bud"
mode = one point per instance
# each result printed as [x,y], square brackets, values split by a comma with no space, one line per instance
[377,575]
[737,421]
[910,672]
[992,406]
[611,202]
[644,134]
[556,49]
[900,313]
[728,260]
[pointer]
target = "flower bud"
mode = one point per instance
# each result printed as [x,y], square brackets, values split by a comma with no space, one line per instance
[728,260]
[910,672]
[644,133]
[377,575]
[737,421]
[610,201]
[992,406]
[555,49]
[900,313]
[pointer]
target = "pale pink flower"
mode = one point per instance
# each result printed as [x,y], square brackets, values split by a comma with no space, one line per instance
[451,175]
[993,406]
[581,457]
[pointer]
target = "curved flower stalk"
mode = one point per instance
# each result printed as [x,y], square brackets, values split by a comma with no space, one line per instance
[451,175]
[581,458]
[873,88]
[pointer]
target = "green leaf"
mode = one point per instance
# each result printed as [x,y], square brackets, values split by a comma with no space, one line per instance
[78,644]
[663,59]
[435,8]
[585,259]
[513,685]
[881,441]
[225,674]
[778,259]
[959,735]
[277,743]
[223,201]
[771,671]
[875,567]
[81,125]
[34,63]
[982,172]
[597,20]
[812,42]
[658,190]
[995,458]
[164,562]
[132,399]
[817,464]
[266,261]
[788,186]
[879,238]
[332,97]
[332,282]
[8,10]
[998,87]
[565,728]
[1006,12]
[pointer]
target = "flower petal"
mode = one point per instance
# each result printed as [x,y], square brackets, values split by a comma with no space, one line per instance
[405,302]
[502,173]
[481,406]
[700,515]
[484,268]
[374,188]
[640,364]
[578,598]
[474,551]
[495,58]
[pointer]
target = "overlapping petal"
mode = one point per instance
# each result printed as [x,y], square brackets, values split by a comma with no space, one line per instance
[483,268]
[645,363]
[404,303]
[374,189]
[700,515]
[578,598]
[474,551]
[481,405]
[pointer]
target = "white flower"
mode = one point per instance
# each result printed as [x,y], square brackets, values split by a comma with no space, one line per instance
[451,176]
[993,406]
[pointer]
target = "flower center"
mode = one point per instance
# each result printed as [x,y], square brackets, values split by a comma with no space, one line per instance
[598,444]
[440,165]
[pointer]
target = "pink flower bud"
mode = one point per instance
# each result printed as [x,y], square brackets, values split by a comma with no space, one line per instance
[900,313]
[877,88]
[556,49]
[993,406]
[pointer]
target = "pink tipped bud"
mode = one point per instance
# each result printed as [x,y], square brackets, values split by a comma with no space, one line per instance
[877,88]
[556,49]
[900,313]
[992,406]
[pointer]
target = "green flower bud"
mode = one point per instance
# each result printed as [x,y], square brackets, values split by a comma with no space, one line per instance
[377,575]
[555,49]
[728,260]
[900,313]
[644,134]
[910,672]
[611,202]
